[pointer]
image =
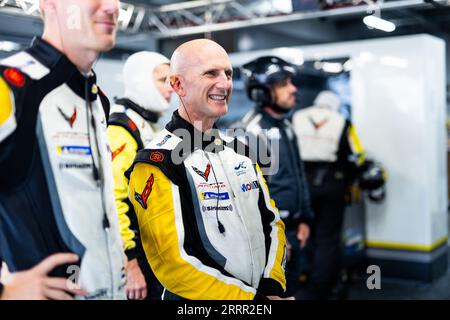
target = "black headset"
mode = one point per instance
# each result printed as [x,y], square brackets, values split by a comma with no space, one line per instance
[261,74]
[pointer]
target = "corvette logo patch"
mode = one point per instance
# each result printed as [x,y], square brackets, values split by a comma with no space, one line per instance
[318,125]
[205,174]
[116,152]
[142,198]
[71,119]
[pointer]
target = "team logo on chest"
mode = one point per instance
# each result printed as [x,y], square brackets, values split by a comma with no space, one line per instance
[142,198]
[70,119]
[204,174]
[318,125]
[240,168]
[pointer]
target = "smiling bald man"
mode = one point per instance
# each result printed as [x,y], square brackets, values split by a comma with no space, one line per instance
[208,226]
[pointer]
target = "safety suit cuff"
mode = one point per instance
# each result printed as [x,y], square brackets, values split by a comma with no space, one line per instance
[131,254]
[259,296]
[270,287]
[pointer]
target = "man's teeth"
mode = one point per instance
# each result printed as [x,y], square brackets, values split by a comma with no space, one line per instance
[217,97]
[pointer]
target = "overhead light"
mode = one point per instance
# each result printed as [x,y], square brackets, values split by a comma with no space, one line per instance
[9,46]
[378,23]
[292,55]
[348,65]
[330,67]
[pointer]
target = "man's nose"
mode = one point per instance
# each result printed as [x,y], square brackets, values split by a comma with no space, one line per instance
[224,81]
[111,7]
[293,88]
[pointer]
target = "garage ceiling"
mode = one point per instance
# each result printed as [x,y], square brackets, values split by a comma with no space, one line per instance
[162,24]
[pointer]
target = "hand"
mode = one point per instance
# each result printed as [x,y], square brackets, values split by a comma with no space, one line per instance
[279,298]
[35,284]
[136,287]
[302,234]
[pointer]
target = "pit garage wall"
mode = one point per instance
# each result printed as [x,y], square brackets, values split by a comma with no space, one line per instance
[399,109]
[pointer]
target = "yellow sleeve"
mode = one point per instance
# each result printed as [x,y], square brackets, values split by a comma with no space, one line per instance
[277,252]
[156,201]
[7,110]
[123,150]
[356,145]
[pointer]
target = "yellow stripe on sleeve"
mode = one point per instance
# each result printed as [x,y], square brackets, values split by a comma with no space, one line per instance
[356,145]
[6,103]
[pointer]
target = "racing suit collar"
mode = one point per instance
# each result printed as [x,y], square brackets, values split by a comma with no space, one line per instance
[146,114]
[275,121]
[56,61]
[198,140]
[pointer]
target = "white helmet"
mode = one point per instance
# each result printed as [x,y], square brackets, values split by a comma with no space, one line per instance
[328,99]
[139,84]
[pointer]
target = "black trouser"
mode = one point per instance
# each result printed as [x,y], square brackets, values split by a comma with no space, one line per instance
[296,263]
[328,204]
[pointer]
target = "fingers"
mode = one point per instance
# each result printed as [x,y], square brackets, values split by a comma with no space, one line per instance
[53,294]
[55,260]
[279,298]
[136,294]
[130,294]
[62,284]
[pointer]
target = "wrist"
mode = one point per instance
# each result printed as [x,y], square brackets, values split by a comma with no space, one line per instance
[2,288]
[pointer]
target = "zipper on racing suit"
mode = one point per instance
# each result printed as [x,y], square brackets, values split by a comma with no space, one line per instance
[237,204]
[98,177]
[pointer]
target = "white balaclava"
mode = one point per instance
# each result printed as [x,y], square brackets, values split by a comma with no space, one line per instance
[139,84]
[328,99]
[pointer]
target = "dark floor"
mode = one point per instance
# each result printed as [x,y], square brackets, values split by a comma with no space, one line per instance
[401,289]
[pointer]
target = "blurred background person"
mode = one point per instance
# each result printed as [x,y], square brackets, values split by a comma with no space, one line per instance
[131,126]
[268,82]
[333,157]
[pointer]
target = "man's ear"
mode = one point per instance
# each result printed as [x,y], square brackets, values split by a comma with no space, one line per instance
[176,85]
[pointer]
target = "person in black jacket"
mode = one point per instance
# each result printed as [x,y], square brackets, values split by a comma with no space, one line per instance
[268,83]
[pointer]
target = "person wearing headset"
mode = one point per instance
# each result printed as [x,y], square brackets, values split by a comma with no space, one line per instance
[208,226]
[57,214]
[268,82]
[132,125]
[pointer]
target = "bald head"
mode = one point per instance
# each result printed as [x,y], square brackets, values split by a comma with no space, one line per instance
[194,53]
[201,76]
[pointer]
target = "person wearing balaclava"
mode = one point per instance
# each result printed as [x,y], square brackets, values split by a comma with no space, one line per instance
[268,83]
[132,125]
[331,153]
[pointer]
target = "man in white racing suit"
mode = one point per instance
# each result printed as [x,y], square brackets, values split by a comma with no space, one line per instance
[56,186]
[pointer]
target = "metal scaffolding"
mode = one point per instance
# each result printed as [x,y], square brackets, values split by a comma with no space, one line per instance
[203,16]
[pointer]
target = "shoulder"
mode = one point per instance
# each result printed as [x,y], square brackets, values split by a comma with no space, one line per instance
[119,136]
[238,147]
[26,64]
[160,153]
[164,140]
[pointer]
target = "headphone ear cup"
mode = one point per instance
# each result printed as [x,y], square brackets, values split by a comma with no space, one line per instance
[260,95]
